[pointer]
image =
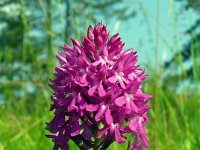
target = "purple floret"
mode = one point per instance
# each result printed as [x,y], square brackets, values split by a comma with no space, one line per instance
[97,94]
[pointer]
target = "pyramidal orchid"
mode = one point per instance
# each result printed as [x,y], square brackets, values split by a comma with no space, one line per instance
[97,97]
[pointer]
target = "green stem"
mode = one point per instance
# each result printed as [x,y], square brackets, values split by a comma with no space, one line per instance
[82,143]
[24,30]
[104,145]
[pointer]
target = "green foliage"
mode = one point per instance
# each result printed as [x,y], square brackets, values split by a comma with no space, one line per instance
[174,119]
[8,20]
[187,59]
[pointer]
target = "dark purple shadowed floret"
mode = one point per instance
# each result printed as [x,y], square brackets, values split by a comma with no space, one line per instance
[97,94]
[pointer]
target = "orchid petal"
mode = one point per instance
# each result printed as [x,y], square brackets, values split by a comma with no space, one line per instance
[108,116]
[118,135]
[112,79]
[92,90]
[92,107]
[75,130]
[120,101]
[101,90]
[100,113]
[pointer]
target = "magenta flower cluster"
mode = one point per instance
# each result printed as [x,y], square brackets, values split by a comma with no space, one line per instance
[97,94]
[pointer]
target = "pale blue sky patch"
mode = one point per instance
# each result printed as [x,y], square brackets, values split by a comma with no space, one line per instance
[140,32]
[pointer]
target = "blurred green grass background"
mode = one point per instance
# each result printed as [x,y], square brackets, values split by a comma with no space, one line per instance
[31,33]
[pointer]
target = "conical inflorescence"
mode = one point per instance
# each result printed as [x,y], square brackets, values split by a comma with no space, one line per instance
[97,96]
